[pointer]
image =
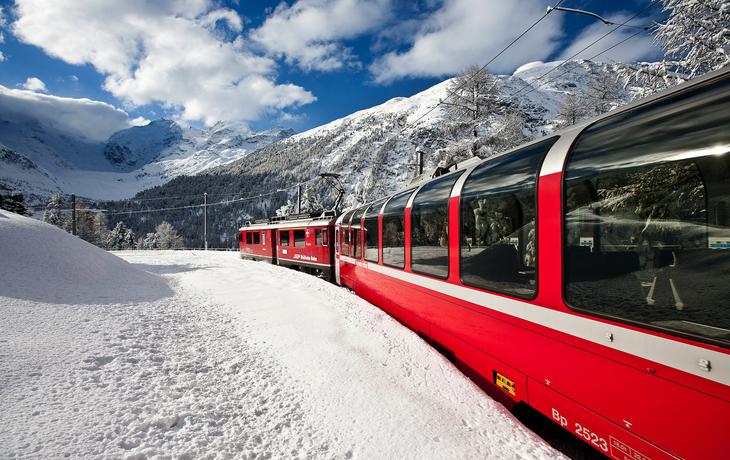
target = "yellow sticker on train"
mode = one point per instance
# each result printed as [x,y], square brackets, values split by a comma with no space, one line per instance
[504,383]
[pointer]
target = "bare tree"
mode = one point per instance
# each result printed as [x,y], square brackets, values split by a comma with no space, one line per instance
[571,111]
[167,237]
[473,96]
[603,93]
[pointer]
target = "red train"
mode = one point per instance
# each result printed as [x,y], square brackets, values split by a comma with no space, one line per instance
[297,241]
[586,274]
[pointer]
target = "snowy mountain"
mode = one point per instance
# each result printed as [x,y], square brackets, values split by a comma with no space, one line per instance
[373,151]
[131,160]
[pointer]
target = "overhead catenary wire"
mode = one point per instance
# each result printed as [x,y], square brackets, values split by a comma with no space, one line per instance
[535,88]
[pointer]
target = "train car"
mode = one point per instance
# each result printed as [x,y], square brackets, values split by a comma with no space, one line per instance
[586,274]
[300,241]
[256,241]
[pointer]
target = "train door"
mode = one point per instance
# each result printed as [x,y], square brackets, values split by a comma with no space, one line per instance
[337,254]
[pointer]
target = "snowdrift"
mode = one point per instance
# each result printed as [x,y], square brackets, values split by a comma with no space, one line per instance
[43,263]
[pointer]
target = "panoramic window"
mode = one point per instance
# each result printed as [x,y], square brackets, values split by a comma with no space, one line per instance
[345,248]
[356,241]
[371,231]
[430,228]
[394,231]
[647,216]
[284,237]
[497,228]
[299,241]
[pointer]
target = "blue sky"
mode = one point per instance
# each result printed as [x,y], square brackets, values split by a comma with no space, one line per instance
[298,64]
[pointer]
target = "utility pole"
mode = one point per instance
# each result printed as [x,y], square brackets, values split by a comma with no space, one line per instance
[205,218]
[73,214]
[299,198]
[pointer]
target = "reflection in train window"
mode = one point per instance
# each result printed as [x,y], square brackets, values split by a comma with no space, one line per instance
[345,249]
[394,231]
[299,241]
[497,228]
[355,240]
[430,228]
[371,234]
[647,221]
[284,237]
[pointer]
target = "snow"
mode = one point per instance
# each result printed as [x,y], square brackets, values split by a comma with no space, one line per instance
[190,354]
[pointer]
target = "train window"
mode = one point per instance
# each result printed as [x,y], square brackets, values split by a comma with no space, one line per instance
[371,232]
[249,238]
[394,231]
[647,222]
[355,225]
[284,237]
[430,228]
[299,239]
[325,236]
[345,240]
[318,237]
[256,238]
[263,238]
[497,228]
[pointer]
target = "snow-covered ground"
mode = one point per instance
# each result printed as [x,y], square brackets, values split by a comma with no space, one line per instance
[164,354]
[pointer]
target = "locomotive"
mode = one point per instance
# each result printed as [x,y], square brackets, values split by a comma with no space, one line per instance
[586,274]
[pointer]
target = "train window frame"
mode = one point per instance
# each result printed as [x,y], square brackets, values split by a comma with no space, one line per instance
[425,201]
[256,238]
[249,238]
[539,149]
[356,232]
[284,242]
[300,238]
[345,236]
[367,234]
[676,321]
[318,237]
[405,197]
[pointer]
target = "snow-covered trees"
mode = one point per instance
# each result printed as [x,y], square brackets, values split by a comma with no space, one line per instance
[52,214]
[285,210]
[696,40]
[13,201]
[473,96]
[311,202]
[602,93]
[120,238]
[571,111]
[167,237]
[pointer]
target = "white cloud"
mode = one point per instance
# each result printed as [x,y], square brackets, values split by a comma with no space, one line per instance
[2,58]
[96,120]
[464,32]
[639,47]
[183,54]
[308,33]
[73,78]
[34,84]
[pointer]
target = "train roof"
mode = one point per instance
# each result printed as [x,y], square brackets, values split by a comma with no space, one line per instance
[292,220]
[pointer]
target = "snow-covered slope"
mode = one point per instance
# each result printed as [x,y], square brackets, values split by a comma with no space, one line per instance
[198,354]
[374,150]
[132,160]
